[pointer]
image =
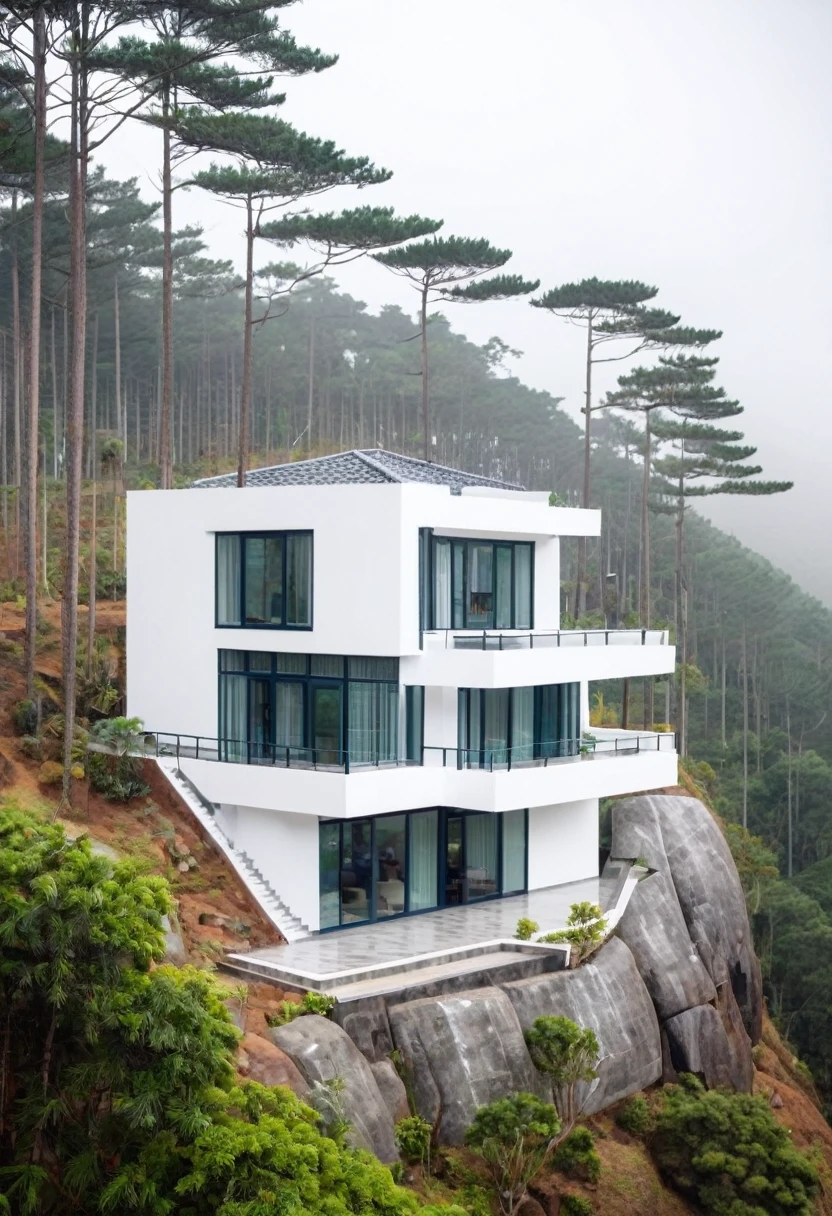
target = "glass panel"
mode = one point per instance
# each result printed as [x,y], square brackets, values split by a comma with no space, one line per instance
[473,757]
[232,660]
[502,612]
[259,722]
[264,580]
[454,860]
[356,872]
[424,826]
[299,579]
[514,851]
[414,722]
[495,735]
[425,621]
[522,724]
[228,580]
[327,665]
[326,725]
[391,865]
[373,669]
[388,723]
[329,845]
[442,584]
[291,664]
[259,660]
[233,717]
[363,723]
[480,587]
[459,585]
[548,725]
[481,855]
[288,719]
[522,586]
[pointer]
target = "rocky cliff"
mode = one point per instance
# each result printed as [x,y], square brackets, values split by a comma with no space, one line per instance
[676,990]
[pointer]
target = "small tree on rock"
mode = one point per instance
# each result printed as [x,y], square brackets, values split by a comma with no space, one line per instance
[514,1136]
[568,1055]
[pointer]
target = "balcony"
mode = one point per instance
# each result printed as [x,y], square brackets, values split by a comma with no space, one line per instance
[613,763]
[514,659]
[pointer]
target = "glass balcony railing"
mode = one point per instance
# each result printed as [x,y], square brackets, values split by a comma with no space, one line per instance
[557,639]
[541,755]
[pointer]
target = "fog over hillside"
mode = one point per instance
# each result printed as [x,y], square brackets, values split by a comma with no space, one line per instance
[682,145]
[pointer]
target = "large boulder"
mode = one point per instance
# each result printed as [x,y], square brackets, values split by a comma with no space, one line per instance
[608,995]
[366,1023]
[697,1043]
[322,1051]
[654,929]
[637,832]
[700,865]
[264,1062]
[392,1089]
[461,1052]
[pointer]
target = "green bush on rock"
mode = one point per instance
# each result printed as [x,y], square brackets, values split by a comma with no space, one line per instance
[576,1156]
[727,1152]
[635,1116]
[513,1136]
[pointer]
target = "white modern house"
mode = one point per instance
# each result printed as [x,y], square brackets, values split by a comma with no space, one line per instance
[358,663]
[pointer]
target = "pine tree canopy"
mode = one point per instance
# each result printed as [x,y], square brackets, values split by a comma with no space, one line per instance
[637,322]
[357,229]
[591,295]
[501,287]
[445,259]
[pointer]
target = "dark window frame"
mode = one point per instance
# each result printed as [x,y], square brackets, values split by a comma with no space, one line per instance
[475,756]
[244,537]
[427,583]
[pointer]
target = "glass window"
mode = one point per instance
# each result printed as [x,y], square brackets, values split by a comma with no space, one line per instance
[522,586]
[514,851]
[373,669]
[424,842]
[502,611]
[288,719]
[228,580]
[329,665]
[459,585]
[373,722]
[233,717]
[329,849]
[495,726]
[259,660]
[291,664]
[442,584]
[480,587]
[391,865]
[299,579]
[264,580]
[414,722]
[522,724]
[232,660]
[356,871]
[481,836]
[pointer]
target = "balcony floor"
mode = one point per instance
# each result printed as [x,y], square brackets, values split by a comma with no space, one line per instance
[347,954]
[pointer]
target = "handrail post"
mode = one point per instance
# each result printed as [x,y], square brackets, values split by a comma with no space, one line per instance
[346,756]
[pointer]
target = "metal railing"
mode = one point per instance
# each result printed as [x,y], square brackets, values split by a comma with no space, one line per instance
[240,751]
[489,639]
[541,755]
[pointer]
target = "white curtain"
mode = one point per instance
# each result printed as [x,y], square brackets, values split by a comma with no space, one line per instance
[228,580]
[233,717]
[442,584]
[374,723]
[299,579]
[514,851]
[522,587]
[522,724]
[502,614]
[288,730]
[423,866]
[481,853]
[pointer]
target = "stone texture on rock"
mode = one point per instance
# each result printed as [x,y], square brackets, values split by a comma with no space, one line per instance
[697,1043]
[637,833]
[322,1051]
[391,1087]
[742,1062]
[462,1051]
[367,1025]
[176,952]
[262,1061]
[608,995]
[654,929]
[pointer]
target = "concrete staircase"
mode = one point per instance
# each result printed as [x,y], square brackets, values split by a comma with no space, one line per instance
[264,895]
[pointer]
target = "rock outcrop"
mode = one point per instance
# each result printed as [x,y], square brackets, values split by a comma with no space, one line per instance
[608,995]
[322,1051]
[260,1060]
[462,1052]
[697,1043]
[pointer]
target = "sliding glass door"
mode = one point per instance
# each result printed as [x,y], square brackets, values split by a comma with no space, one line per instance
[325,723]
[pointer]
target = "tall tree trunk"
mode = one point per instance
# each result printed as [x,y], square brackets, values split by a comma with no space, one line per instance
[93,571]
[580,582]
[310,394]
[75,403]
[56,414]
[17,359]
[723,690]
[165,428]
[245,389]
[39,68]
[681,618]
[121,427]
[425,395]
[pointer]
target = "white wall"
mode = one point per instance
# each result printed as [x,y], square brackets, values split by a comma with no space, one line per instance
[284,848]
[563,843]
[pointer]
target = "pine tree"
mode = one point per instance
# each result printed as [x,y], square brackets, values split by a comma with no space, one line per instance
[437,267]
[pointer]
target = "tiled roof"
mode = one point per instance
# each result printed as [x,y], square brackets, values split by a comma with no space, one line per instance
[358,468]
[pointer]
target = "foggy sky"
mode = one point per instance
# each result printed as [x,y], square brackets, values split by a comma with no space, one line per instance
[678,143]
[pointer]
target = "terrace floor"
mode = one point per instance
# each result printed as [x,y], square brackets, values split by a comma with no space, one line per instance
[432,939]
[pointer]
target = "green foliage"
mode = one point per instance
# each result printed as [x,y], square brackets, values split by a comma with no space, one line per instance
[568,1054]
[575,1205]
[513,1136]
[635,1116]
[116,773]
[526,928]
[320,1003]
[727,1152]
[24,716]
[50,773]
[413,1139]
[576,1156]
[586,928]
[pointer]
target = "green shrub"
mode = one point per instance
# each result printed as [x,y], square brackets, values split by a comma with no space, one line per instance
[25,717]
[286,1012]
[32,746]
[727,1152]
[525,929]
[116,773]
[318,1002]
[576,1156]
[575,1205]
[585,929]
[413,1139]
[635,1116]
[566,1053]
[514,1137]
[50,773]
